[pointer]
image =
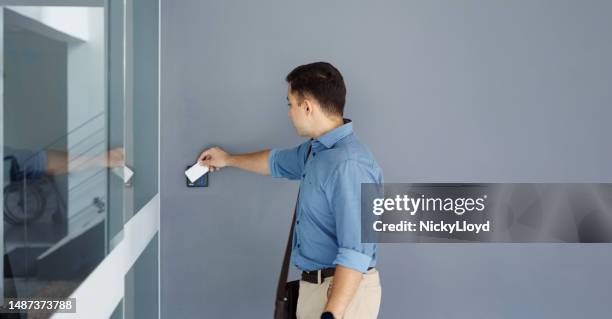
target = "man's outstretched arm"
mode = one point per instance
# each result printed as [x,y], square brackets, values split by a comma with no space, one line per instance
[57,161]
[216,158]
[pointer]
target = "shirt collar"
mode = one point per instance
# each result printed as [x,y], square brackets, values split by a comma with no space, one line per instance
[330,138]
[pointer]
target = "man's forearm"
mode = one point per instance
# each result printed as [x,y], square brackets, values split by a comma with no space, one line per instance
[57,162]
[256,162]
[344,285]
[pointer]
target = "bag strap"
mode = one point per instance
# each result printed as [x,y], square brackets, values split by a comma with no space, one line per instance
[282,279]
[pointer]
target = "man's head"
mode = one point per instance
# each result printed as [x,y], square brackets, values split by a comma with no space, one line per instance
[316,96]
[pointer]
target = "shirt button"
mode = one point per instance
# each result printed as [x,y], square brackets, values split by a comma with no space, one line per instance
[297,222]
[304,175]
[314,154]
[298,245]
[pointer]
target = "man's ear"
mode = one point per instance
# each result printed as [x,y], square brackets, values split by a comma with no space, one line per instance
[308,106]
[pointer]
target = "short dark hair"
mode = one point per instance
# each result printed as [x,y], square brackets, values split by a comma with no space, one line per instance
[322,81]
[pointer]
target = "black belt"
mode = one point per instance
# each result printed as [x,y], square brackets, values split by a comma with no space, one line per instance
[317,276]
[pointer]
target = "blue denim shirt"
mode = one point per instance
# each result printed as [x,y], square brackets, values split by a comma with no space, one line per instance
[328,222]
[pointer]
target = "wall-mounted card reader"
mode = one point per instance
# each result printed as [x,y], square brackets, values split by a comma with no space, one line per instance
[196,175]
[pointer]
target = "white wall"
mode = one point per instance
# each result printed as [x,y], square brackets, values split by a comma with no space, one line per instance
[73,21]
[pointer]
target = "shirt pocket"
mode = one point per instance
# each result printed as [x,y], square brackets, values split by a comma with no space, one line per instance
[312,192]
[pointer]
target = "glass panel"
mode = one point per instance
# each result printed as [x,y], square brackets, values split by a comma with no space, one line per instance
[55,148]
[116,9]
[144,118]
[68,124]
[142,284]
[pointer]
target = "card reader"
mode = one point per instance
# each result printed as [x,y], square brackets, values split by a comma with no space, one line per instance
[196,175]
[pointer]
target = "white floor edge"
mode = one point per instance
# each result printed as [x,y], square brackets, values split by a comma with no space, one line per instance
[100,293]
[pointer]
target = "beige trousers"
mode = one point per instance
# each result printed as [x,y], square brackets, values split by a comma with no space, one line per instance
[365,304]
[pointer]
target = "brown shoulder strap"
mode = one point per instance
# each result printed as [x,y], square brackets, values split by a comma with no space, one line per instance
[282,279]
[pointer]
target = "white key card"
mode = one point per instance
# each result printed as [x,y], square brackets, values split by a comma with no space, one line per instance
[196,171]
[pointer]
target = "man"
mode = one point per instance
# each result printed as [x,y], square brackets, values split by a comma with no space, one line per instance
[339,279]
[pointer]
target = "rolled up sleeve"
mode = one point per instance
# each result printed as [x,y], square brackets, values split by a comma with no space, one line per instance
[343,192]
[288,163]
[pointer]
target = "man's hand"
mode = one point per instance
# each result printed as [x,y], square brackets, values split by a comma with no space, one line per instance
[215,158]
[344,285]
[115,157]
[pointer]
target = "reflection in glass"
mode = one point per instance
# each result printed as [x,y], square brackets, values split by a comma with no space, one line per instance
[56,154]
[80,110]
[115,114]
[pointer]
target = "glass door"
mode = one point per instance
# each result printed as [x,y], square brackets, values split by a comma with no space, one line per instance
[141,138]
[55,148]
[79,102]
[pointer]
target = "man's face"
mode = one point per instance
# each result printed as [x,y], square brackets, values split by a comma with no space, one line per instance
[297,113]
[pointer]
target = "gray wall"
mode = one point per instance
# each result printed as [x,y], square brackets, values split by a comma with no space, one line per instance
[441,91]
